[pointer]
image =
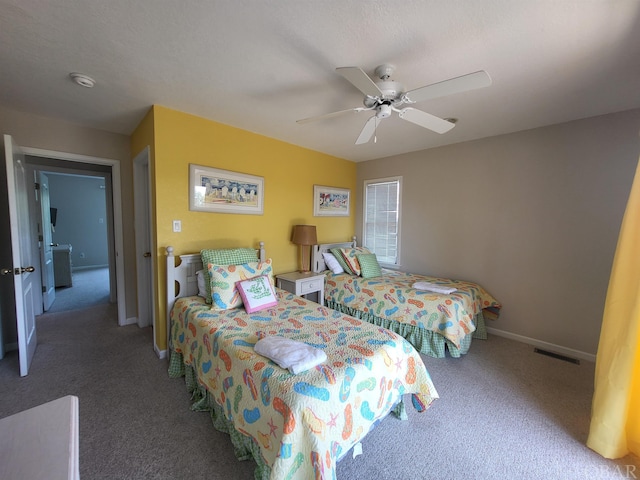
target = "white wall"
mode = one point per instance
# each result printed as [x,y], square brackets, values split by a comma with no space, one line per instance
[532,216]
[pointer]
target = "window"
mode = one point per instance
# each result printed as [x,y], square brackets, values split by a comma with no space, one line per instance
[382,218]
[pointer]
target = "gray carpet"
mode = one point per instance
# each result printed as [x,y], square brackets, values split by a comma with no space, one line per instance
[90,286]
[504,412]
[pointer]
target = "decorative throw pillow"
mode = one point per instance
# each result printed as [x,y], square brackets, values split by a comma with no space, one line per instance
[350,258]
[338,256]
[257,294]
[202,283]
[369,266]
[224,293]
[229,256]
[331,263]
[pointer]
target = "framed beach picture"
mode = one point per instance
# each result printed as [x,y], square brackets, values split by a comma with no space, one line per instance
[223,191]
[330,201]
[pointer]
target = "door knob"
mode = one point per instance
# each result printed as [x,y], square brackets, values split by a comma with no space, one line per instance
[17,271]
[146,254]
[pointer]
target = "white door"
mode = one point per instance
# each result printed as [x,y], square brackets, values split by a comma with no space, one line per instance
[144,262]
[23,269]
[46,245]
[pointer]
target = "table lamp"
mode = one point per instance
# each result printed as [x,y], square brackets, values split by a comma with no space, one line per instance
[305,236]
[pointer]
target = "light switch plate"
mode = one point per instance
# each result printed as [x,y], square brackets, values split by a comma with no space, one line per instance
[177,226]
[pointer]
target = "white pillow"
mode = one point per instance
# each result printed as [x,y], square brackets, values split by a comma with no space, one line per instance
[202,283]
[332,263]
[257,293]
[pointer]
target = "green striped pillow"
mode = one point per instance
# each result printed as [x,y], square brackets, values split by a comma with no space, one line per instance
[229,256]
[338,254]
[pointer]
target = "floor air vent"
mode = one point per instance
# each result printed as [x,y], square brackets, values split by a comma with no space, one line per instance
[557,355]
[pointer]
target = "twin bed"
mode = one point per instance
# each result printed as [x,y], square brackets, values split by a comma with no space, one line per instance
[433,322]
[293,425]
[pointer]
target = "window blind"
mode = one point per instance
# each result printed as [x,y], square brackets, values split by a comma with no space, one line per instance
[381,219]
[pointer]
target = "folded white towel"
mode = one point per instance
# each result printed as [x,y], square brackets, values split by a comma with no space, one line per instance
[296,356]
[432,287]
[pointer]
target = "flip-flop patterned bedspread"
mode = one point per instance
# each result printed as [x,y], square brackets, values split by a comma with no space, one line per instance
[391,296]
[303,423]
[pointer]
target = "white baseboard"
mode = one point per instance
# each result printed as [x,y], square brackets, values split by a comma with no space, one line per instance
[569,352]
[130,321]
[161,353]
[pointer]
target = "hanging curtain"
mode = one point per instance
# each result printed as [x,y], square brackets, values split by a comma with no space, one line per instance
[615,413]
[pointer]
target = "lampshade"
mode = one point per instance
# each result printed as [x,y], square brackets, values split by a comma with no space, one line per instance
[304,235]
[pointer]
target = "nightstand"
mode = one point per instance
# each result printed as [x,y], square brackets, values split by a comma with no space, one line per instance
[303,284]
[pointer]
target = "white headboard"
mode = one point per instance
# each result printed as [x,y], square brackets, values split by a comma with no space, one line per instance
[181,278]
[317,261]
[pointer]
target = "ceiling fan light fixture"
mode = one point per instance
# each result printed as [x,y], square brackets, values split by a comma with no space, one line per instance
[82,79]
[383,111]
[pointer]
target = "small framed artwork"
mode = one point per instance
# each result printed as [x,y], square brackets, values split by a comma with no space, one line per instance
[223,191]
[330,201]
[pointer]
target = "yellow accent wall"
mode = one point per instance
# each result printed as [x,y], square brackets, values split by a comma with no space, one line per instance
[290,172]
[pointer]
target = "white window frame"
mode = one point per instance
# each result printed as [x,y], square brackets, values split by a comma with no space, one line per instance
[374,181]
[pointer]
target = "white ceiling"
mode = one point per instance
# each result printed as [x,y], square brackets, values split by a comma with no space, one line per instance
[262,64]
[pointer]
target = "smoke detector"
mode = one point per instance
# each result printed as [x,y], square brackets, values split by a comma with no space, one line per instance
[82,79]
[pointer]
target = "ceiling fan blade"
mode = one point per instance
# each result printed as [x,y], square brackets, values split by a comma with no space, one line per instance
[367,131]
[425,120]
[330,115]
[463,83]
[360,80]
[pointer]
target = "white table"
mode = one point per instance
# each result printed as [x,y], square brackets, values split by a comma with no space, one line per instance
[303,284]
[42,442]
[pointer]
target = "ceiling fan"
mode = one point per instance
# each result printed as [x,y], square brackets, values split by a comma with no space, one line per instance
[385,96]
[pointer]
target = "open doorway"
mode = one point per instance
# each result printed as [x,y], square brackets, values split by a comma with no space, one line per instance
[76,226]
[79,240]
[15,320]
